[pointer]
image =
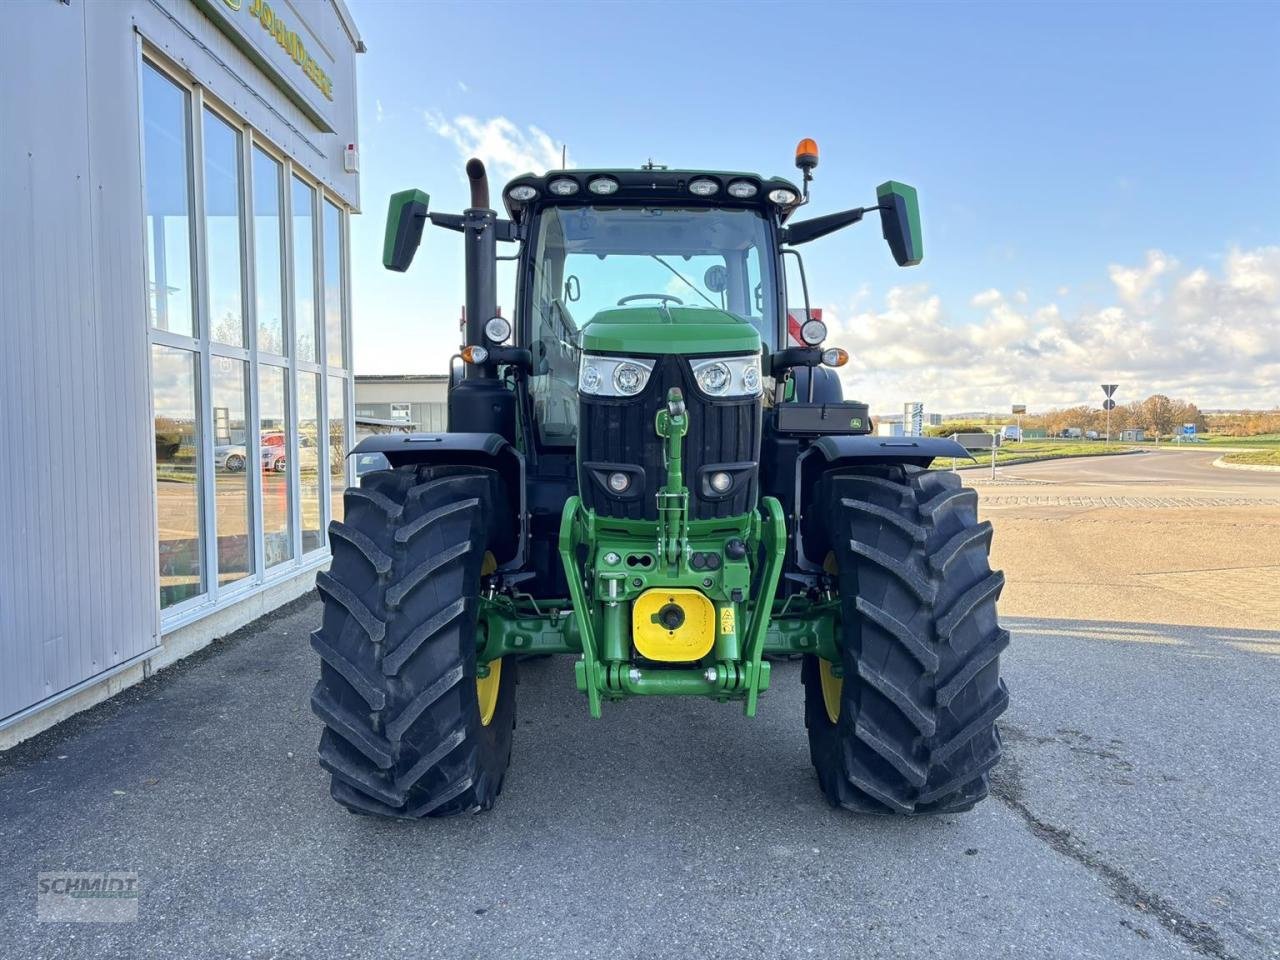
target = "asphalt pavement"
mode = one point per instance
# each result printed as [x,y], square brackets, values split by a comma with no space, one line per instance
[1133,816]
[1189,468]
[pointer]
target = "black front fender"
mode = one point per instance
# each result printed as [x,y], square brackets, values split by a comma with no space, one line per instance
[464,450]
[835,451]
[916,451]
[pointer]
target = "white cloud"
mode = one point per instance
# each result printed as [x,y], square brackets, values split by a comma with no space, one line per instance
[1133,283]
[506,148]
[1212,337]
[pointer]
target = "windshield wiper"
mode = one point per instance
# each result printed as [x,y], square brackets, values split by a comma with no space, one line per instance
[685,280]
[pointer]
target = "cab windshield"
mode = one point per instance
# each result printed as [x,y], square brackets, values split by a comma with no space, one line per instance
[593,258]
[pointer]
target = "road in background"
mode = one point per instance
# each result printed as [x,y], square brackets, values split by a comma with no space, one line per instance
[1191,469]
[1156,537]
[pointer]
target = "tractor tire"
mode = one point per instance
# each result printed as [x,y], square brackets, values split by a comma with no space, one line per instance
[409,731]
[910,726]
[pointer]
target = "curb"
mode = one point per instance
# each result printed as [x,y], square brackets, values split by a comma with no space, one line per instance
[1000,464]
[1222,464]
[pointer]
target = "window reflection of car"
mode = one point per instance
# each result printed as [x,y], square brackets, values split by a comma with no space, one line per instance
[229,457]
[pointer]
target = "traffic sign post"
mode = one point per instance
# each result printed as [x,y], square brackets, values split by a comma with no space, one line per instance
[1108,405]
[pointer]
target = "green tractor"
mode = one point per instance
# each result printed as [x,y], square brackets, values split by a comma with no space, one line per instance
[651,467]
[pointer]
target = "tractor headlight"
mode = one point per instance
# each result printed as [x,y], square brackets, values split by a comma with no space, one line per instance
[813,332]
[613,376]
[728,376]
[498,329]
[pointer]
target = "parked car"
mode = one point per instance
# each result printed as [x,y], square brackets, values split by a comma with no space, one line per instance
[230,457]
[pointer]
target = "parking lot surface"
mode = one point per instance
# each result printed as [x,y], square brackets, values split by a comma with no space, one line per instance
[1133,815]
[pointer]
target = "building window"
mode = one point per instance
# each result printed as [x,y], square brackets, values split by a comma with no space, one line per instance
[268,254]
[311,493]
[244,481]
[167,109]
[277,496]
[335,341]
[223,248]
[401,411]
[232,461]
[175,398]
[337,445]
[304,275]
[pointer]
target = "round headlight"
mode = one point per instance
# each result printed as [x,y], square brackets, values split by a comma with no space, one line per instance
[751,379]
[628,378]
[713,378]
[783,197]
[564,187]
[522,193]
[618,482]
[703,187]
[497,329]
[589,381]
[813,332]
[742,189]
[603,186]
[720,482]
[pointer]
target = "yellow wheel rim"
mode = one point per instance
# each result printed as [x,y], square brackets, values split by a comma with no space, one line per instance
[487,687]
[831,687]
[831,684]
[487,691]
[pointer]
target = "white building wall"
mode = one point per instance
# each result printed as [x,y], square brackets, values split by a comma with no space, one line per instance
[78,539]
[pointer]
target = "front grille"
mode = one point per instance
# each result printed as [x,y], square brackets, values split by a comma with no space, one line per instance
[619,431]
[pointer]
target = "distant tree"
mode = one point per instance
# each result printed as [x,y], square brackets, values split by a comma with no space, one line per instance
[1160,415]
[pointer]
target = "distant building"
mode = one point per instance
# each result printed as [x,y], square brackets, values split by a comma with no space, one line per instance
[889,427]
[935,419]
[913,418]
[417,399]
[1133,436]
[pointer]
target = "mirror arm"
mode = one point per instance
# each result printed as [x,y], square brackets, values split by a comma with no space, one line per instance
[450,221]
[503,229]
[806,230]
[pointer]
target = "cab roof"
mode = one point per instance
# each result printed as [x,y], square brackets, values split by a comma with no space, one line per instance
[650,186]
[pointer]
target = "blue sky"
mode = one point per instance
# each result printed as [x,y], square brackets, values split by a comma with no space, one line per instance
[1100,183]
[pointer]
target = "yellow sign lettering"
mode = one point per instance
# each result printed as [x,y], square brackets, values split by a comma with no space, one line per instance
[289,42]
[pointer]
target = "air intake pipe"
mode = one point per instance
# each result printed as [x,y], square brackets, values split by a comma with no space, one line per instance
[480,234]
[480,403]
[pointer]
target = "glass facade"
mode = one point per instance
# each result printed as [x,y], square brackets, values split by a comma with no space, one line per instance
[175,399]
[268,253]
[310,489]
[166,142]
[232,497]
[334,330]
[223,247]
[304,275]
[247,377]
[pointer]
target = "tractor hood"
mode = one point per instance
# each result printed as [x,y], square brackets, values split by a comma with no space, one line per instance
[669,330]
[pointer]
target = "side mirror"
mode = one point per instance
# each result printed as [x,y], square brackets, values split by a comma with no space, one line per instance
[900,221]
[406,216]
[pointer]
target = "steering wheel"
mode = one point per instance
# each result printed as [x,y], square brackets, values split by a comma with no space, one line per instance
[650,296]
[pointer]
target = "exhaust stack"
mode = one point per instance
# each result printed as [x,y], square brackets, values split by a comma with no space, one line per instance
[481,237]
